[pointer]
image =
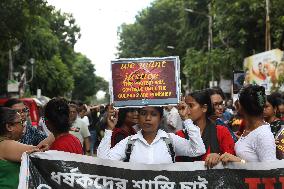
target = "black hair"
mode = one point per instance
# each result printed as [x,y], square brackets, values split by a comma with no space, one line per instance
[202,97]
[278,99]
[57,112]
[12,101]
[74,106]
[7,115]
[122,115]
[252,99]
[272,100]
[216,90]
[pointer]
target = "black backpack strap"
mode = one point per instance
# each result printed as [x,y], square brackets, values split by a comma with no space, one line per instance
[129,148]
[185,134]
[170,147]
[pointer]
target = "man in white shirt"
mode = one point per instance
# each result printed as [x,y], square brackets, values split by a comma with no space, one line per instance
[79,129]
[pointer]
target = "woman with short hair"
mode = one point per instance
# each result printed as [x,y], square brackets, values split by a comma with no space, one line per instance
[11,131]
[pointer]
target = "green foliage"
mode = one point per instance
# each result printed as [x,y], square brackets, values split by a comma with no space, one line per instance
[86,83]
[53,77]
[47,35]
[238,32]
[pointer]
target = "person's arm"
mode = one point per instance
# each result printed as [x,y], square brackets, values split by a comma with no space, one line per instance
[13,150]
[106,152]
[44,145]
[194,146]
[37,136]
[87,145]
[226,144]
[227,157]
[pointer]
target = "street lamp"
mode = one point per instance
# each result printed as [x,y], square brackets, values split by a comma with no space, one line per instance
[210,32]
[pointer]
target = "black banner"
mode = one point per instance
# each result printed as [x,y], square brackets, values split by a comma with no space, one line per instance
[62,170]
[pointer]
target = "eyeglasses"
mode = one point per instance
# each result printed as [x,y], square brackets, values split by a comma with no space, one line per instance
[21,123]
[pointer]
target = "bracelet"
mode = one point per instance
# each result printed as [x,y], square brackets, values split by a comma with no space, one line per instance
[243,161]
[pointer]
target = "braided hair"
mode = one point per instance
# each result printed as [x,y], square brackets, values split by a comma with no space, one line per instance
[252,99]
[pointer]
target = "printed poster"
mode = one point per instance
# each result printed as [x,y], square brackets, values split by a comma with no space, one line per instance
[265,69]
[280,145]
[145,81]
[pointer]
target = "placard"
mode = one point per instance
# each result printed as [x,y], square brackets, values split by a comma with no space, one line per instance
[145,81]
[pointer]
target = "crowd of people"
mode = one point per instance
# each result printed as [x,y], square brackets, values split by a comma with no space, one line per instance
[202,127]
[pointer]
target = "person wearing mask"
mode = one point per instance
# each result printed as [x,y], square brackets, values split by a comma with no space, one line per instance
[79,129]
[257,143]
[217,138]
[32,136]
[11,131]
[127,118]
[150,144]
[57,120]
[270,110]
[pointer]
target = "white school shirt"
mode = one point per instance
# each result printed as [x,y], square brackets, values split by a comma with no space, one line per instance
[257,146]
[156,152]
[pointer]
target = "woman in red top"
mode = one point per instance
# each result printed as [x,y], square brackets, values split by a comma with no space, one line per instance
[57,121]
[127,118]
[217,138]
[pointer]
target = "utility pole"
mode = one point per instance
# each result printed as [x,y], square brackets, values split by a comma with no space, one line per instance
[210,41]
[267,28]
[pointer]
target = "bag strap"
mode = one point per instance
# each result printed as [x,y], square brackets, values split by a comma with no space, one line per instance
[168,141]
[170,147]
[129,148]
[185,134]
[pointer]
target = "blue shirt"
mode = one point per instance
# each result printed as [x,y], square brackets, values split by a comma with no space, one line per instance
[32,136]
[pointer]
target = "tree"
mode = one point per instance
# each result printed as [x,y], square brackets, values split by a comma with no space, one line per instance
[86,82]
[238,32]
[48,36]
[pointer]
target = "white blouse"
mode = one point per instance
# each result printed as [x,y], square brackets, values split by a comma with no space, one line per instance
[156,152]
[257,146]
